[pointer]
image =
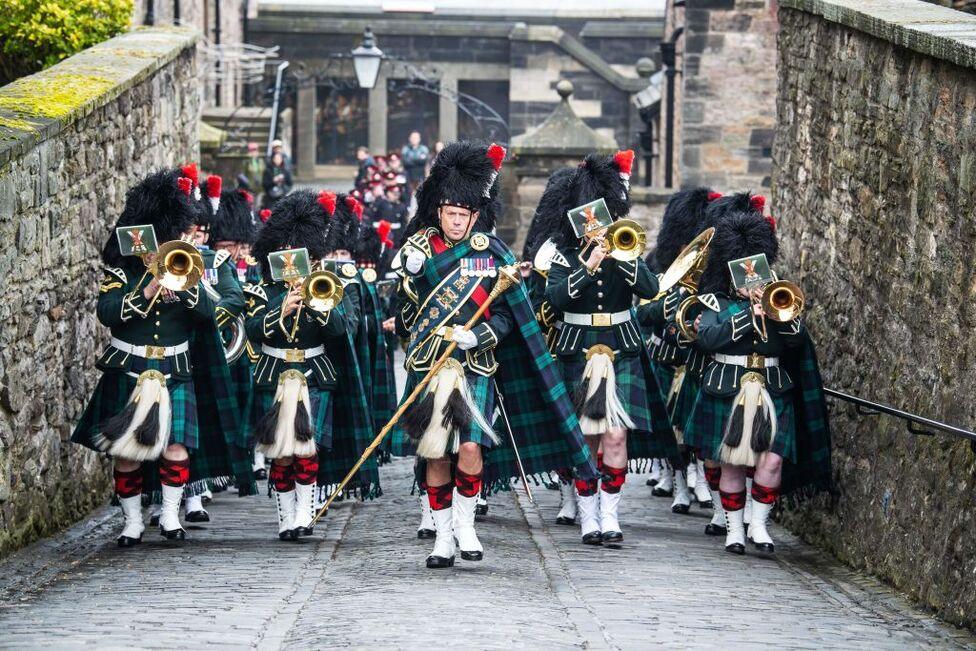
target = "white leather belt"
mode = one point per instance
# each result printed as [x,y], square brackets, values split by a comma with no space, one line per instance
[292,354]
[747,361]
[597,319]
[657,341]
[150,352]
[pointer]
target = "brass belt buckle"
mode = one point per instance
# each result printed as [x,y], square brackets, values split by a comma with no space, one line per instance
[756,361]
[155,352]
[294,355]
[601,320]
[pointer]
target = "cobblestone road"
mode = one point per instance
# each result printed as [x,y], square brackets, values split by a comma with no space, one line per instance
[363,584]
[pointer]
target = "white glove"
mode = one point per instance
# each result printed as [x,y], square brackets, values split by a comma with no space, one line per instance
[414,261]
[465,339]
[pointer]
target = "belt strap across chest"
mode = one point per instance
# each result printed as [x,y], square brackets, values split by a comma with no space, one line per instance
[747,361]
[597,319]
[150,352]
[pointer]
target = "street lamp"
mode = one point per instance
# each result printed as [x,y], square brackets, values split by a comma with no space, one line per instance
[366,59]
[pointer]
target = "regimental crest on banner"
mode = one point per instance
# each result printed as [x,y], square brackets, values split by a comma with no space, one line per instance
[290,264]
[590,217]
[137,240]
[478,267]
[750,271]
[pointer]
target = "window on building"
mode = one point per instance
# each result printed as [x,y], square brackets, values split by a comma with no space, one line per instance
[341,119]
[473,120]
[411,107]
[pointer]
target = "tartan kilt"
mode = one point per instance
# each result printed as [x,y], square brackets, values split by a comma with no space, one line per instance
[664,374]
[240,375]
[706,425]
[111,396]
[321,408]
[644,440]
[685,401]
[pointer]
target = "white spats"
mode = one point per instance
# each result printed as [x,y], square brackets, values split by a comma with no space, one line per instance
[290,431]
[304,505]
[467,539]
[258,461]
[718,514]
[426,517]
[169,517]
[567,510]
[608,512]
[132,512]
[682,496]
[141,431]
[285,501]
[736,530]
[758,533]
[444,543]
[702,495]
[589,513]
[601,408]
[194,503]
[453,410]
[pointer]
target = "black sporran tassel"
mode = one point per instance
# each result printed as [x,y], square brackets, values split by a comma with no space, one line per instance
[762,430]
[303,423]
[416,419]
[457,416]
[264,431]
[736,422]
[115,427]
[148,431]
[595,406]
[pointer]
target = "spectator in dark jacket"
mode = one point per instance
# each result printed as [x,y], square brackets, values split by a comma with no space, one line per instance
[414,156]
[277,181]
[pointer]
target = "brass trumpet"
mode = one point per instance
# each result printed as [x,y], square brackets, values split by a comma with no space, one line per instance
[685,317]
[625,240]
[781,301]
[178,266]
[322,291]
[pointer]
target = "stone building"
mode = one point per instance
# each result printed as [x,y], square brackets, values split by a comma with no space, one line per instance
[507,56]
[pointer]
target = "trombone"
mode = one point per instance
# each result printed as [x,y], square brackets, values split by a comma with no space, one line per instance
[624,240]
[781,301]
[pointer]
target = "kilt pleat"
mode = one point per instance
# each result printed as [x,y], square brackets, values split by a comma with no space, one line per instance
[706,425]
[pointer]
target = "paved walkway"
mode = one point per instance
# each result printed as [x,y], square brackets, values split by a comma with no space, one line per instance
[363,584]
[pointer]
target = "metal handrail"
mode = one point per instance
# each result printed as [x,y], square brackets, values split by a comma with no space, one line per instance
[868,408]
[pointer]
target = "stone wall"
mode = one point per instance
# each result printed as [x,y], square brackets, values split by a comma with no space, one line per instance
[72,140]
[728,65]
[874,179]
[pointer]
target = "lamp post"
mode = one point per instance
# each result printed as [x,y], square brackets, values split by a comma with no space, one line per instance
[366,60]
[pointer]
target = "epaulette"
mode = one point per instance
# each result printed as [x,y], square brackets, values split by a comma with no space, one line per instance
[710,301]
[560,259]
[117,272]
[220,258]
[256,290]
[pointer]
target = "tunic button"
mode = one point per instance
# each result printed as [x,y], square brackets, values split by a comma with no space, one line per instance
[599,307]
[599,294]
[156,337]
[599,282]
[157,324]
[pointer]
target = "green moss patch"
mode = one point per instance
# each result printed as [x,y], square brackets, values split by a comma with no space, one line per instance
[54,96]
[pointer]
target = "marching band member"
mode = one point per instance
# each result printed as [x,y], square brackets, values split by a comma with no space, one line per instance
[761,403]
[599,347]
[452,262]
[164,346]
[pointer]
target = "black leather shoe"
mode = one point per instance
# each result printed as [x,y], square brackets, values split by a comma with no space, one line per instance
[173,534]
[660,492]
[564,520]
[290,534]
[651,482]
[261,473]
[612,536]
[426,534]
[438,562]
[593,538]
[736,548]
[154,520]
[707,504]
[305,531]
[715,530]
[125,541]
[480,511]
[471,556]
[680,508]
[766,549]
[197,516]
